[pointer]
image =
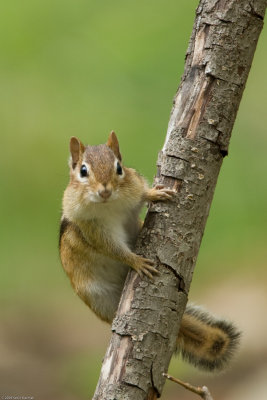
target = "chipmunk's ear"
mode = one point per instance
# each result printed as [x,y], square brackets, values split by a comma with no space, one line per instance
[113,143]
[76,149]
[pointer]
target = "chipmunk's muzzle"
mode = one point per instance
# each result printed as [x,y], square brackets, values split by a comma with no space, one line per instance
[105,192]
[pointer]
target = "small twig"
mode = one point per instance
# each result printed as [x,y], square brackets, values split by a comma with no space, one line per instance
[202,391]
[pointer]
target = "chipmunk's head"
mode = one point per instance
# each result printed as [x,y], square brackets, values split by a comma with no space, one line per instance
[96,171]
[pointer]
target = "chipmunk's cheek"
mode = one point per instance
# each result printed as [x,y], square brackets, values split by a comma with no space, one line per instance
[115,195]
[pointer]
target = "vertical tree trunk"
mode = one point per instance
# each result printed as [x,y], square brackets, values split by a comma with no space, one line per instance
[218,61]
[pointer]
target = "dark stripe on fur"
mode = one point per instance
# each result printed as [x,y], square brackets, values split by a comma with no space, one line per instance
[221,356]
[63,227]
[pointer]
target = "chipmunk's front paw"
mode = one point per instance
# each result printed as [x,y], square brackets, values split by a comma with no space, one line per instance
[144,266]
[159,192]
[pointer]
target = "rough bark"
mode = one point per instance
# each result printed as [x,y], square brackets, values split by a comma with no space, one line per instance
[218,61]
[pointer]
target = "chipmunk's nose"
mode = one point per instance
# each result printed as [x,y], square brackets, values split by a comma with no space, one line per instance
[105,193]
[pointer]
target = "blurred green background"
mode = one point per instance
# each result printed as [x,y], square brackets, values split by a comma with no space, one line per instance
[83,68]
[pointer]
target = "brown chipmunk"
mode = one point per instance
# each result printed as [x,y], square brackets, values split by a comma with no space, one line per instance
[99,227]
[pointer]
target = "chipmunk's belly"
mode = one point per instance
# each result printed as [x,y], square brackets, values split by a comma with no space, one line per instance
[105,286]
[108,275]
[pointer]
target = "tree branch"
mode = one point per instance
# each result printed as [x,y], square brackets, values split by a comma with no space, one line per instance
[201,391]
[218,61]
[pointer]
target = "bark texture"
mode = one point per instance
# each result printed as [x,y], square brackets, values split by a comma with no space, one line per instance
[218,61]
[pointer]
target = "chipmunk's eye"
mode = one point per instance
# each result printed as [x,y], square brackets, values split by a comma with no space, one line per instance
[119,169]
[83,171]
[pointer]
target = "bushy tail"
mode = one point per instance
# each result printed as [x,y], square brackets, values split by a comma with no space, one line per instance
[205,341]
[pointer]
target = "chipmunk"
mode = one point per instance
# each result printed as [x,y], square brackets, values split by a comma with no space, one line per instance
[99,227]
